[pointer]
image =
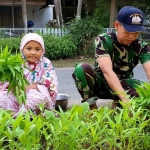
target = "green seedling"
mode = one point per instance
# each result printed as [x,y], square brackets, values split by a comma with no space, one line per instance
[11,71]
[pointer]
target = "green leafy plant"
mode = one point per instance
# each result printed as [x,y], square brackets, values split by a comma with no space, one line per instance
[12,72]
[77,128]
[144,96]
[52,24]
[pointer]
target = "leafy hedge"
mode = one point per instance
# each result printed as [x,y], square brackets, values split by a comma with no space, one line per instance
[12,43]
[83,32]
[56,47]
[59,47]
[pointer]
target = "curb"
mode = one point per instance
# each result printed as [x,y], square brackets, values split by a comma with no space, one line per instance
[100,103]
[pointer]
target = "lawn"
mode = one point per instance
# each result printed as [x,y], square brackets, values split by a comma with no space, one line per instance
[63,63]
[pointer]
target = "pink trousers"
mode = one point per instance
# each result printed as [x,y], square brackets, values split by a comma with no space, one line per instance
[33,98]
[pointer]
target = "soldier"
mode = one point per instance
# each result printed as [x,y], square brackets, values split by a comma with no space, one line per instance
[117,54]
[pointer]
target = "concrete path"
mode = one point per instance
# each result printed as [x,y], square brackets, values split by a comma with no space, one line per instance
[67,86]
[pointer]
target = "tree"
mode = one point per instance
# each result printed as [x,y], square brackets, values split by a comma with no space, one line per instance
[112,13]
[79,8]
[58,11]
[24,14]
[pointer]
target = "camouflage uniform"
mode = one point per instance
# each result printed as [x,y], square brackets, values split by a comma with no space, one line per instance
[91,83]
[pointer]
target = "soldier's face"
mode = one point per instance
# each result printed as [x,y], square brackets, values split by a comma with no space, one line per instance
[124,37]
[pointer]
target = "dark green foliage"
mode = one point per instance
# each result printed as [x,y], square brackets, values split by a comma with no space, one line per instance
[102,13]
[56,47]
[82,32]
[59,47]
[147,2]
[12,43]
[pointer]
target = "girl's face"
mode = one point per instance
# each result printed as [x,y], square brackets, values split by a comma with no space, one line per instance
[32,51]
[124,37]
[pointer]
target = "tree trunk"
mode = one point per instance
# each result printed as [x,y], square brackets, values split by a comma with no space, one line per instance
[112,13]
[79,8]
[24,14]
[58,11]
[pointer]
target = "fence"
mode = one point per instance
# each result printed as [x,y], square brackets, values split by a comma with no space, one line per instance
[15,32]
[107,30]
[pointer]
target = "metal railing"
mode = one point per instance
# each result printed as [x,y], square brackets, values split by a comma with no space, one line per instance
[15,32]
[107,30]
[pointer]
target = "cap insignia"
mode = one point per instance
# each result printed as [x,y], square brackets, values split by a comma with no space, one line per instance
[136,18]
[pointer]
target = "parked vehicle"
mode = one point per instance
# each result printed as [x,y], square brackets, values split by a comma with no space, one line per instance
[6,34]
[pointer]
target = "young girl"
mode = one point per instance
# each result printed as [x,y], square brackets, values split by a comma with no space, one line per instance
[39,73]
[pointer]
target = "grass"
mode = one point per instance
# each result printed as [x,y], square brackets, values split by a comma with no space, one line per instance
[71,62]
[66,63]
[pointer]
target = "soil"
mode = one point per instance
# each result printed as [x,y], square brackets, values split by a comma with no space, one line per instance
[66,63]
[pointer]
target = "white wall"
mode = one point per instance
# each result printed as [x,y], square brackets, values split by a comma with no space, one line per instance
[42,16]
[31,10]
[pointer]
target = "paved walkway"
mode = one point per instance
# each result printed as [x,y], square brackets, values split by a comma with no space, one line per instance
[100,103]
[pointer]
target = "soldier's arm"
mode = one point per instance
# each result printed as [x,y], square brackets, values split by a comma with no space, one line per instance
[111,77]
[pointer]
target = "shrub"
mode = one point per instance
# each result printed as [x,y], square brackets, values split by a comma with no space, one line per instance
[82,32]
[56,47]
[12,43]
[59,47]
[85,30]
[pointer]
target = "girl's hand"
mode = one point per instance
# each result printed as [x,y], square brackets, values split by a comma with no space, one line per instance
[31,86]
